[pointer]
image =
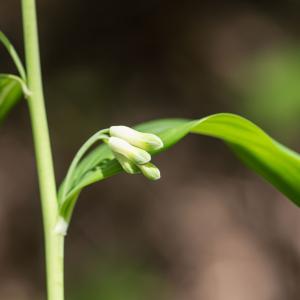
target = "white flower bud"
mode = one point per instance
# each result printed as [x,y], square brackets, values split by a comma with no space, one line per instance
[146,141]
[134,154]
[126,164]
[150,171]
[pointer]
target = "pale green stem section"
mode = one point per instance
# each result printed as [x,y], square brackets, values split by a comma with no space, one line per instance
[54,243]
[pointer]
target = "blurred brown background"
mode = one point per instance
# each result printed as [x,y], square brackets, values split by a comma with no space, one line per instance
[209,229]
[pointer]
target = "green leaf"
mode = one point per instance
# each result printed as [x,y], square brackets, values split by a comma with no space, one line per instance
[13,54]
[11,88]
[273,161]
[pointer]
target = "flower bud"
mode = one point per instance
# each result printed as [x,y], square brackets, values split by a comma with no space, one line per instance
[146,141]
[134,154]
[150,171]
[126,164]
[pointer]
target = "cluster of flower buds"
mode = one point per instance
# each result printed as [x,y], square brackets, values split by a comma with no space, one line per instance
[131,147]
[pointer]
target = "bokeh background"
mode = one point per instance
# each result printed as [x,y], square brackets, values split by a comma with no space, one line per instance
[209,229]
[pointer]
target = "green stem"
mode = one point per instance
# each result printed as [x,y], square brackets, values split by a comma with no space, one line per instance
[54,243]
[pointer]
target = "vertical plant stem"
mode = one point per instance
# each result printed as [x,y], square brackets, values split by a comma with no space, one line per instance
[54,243]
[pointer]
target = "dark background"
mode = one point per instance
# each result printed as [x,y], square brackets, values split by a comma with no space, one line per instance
[209,229]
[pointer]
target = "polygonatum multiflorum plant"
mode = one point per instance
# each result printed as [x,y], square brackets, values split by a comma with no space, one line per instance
[120,149]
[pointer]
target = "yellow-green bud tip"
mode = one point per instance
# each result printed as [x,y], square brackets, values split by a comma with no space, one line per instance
[150,171]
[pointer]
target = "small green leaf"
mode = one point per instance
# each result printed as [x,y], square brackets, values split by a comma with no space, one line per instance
[273,161]
[10,93]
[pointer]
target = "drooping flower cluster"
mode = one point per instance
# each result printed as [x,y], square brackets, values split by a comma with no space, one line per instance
[131,147]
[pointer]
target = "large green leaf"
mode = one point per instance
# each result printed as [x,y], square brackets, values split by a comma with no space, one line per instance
[276,163]
[10,93]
